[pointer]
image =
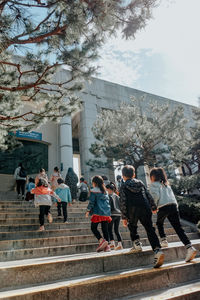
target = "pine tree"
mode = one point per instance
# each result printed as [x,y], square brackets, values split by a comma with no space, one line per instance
[38,38]
[140,134]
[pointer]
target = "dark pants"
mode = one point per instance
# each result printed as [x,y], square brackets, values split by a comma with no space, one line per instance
[104,227]
[83,196]
[144,215]
[21,186]
[44,210]
[115,222]
[172,214]
[64,209]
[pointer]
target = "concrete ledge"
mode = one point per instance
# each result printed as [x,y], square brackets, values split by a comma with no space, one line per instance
[111,285]
[37,271]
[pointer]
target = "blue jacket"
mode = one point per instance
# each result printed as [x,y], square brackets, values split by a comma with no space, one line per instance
[63,193]
[98,203]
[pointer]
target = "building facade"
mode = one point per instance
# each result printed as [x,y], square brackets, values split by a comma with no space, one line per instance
[67,144]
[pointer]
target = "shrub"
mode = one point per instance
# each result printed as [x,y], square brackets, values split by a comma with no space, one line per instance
[189,209]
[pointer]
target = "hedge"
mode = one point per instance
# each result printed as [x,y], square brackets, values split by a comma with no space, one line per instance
[189,208]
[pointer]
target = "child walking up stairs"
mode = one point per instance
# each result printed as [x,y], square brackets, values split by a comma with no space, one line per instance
[61,261]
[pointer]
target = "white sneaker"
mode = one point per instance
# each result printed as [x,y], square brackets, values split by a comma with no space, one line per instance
[18,196]
[158,258]
[112,245]
[164,243]
[137,246]
[41,228]
[50,218]
[119,246]
[191,253]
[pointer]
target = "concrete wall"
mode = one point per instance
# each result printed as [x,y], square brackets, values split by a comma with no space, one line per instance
[104,94]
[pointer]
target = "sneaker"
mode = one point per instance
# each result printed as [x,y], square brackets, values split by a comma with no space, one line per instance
[164,243]
[137,246]
[158,258]
[23,197]
[102,246]
[59,217]
[50,218]
[112,245]
[66,222]
[191,253]
[18,196]
[119,247]
[41,228]
[107,249]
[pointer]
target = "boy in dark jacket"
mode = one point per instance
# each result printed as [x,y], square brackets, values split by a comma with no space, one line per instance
[137,204]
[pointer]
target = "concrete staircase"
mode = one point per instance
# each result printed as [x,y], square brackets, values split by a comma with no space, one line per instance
[61,261]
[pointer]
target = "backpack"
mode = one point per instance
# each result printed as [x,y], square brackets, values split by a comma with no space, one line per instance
[84,188]
[22,173]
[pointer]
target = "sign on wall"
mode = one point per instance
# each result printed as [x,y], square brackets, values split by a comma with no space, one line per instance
[34,135]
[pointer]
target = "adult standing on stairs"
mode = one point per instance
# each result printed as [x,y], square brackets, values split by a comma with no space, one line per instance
[20,177]
[71,180]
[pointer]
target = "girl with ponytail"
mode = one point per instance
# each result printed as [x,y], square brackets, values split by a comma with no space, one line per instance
[168,208]
[99,209]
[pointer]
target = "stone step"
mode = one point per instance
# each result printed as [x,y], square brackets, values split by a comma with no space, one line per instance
[36,209]
[66,229]
[187,291]
[72,245]
[107,284]
[54,225]
[33,214]
[75,238]
[35,221]
[19,203]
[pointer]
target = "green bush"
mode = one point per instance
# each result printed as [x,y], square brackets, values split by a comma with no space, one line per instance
[186,184]
[189,209]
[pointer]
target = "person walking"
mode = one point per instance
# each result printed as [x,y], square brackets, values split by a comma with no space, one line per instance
[20,177]
[115,215]
[83,190]
[168,208]
[41,175]
[30,185]
[99,209]
[43,194]
[64,194]
[137,204]
[71,181]
[54,178]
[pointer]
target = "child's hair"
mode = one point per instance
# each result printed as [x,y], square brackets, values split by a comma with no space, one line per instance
[60,180]
[98,180]
[42,182]
[128,171]
[159,175]
[56,169]
[119,177]
[42,170]
[31,180]
[111,186]
[82,179]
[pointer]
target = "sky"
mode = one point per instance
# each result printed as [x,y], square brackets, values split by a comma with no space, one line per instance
[164,58]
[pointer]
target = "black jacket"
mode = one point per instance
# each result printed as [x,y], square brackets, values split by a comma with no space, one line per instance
[134,193]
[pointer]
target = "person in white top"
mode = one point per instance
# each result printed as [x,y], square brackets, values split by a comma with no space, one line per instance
[20,177]
[168,208]
[54,177]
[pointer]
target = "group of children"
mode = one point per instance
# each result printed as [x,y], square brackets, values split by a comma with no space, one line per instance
[135,203]
[45,192]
